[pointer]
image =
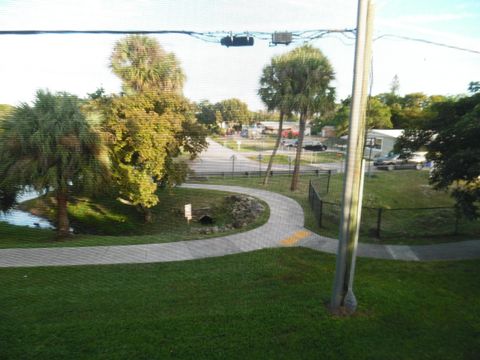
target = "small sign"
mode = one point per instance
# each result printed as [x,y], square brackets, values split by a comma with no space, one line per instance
[188,212]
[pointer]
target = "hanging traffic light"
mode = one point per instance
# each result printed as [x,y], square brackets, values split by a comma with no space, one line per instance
[237,41]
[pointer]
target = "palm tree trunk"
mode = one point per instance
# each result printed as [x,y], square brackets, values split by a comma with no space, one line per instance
[63,224]
[296,169]
[275,149]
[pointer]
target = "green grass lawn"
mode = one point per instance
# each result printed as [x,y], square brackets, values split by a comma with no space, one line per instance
[268,304]
[307,158]
[106,221]
[280,159]
[248,145]
[396,189]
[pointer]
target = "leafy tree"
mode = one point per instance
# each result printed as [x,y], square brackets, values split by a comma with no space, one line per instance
[144,66]
[234,111]
[147,132]
[410,111]
[51,145]
[451,138]
[206,114]
[378,116]
[307,80]
[262,115]
[5,110]
[474,87]
[395,85]
[150,124]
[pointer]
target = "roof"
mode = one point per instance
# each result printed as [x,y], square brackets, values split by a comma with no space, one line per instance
[393,133]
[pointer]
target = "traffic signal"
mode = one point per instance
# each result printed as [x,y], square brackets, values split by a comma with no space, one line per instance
[237,41]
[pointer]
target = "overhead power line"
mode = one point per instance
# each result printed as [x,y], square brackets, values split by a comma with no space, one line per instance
[427,42]
[213,36]
[217,36]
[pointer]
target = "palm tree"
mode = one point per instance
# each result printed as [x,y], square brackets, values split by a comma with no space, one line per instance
[50,145]
[274,93]
[307,76]
[144,66]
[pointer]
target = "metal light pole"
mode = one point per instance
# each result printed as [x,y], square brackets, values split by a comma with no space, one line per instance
[260,157]
[343,295]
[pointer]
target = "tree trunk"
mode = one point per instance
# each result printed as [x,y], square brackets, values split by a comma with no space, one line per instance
[63,224]
[147,215]
[296,169]
[275,149]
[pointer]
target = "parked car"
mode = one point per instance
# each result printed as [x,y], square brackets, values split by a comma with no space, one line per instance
[393,161]
[314,146]
[289,142]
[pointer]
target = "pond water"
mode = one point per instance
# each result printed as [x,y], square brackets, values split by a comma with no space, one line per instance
[23,218]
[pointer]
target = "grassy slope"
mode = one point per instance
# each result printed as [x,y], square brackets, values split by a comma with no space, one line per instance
[266,304]
[113,223]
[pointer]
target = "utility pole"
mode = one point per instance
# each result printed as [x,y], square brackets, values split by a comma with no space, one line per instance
[343,296]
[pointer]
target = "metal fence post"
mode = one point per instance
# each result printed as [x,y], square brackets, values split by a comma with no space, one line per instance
[321,214]
[379,222]
[328,180]
[310,192]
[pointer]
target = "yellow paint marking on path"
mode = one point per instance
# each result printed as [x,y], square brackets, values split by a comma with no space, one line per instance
[296,237]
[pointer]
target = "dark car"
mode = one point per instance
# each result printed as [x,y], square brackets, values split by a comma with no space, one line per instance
[314,146]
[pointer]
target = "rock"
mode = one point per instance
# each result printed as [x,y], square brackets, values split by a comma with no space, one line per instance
[245,209]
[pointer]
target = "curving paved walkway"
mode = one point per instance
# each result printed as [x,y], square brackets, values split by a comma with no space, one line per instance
[285,227]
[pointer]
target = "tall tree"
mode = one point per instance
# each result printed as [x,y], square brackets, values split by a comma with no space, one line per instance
[474,87]
[144,66]
[308,74]
[206,113]
[234,111]
[378,116]
[451,138]
[5,110]
[275,95]
[51,145]
[150,124]
[395,85]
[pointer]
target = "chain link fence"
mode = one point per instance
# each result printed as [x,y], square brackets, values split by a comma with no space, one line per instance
[387,223]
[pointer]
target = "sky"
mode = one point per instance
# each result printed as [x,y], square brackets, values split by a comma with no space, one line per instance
[78,64]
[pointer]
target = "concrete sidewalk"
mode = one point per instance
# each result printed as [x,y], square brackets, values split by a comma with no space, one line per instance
[285,227]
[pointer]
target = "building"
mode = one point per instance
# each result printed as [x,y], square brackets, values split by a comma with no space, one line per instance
[328,131]
[271,127]
[381,141]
